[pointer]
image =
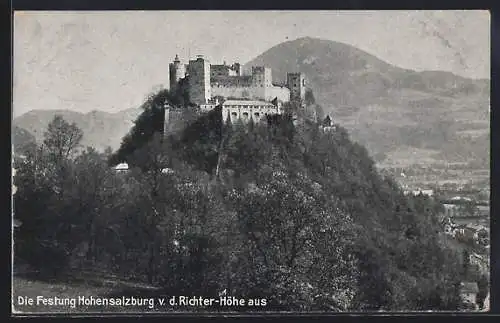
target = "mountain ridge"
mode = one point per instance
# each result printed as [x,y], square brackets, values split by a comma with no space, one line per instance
[384,107]
[101,129]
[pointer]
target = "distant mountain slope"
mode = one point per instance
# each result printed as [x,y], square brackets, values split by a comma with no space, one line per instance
[21,139]
[386,107]
[101,129]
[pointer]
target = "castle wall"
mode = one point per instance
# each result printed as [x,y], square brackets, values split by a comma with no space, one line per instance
[224,70]
[173,121]
[255,93]
[239,92]
[231,81]
[207,107]
[178,119]
[282,93]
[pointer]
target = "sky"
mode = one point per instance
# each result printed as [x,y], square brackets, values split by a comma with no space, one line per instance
[111,60]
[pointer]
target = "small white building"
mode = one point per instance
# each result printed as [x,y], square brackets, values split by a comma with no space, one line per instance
[167,171]
[476,259]
[418,192]
[122,167]
[461,198]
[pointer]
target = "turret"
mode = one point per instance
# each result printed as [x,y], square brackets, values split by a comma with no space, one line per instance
[177,71]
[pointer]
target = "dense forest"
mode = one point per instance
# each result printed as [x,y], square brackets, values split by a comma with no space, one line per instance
[284,210]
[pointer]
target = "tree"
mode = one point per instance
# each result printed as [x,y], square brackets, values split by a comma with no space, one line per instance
[46,203]
[61,138]
[91,173]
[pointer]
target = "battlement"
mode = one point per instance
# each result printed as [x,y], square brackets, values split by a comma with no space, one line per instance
[225,70]
[231,81]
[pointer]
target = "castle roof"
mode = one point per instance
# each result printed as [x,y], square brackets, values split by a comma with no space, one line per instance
[122,166]
[247,102]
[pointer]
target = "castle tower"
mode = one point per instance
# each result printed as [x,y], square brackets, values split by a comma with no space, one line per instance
[176,72]
[262,76]
[237,68]
[296,82]
[199,80]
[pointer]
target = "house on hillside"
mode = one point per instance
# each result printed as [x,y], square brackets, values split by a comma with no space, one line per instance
[419,192]
[167,171]
[448,229]
[465,233]
[327,124]
[483,237]
[459,231]
[123,167]
[475,259]
[468,292]
[448,225]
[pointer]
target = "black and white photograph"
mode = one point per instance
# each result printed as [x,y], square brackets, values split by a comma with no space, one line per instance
[205,161]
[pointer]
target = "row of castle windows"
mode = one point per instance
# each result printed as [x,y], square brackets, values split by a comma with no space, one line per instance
[245,114]
[253,107]
[240,85]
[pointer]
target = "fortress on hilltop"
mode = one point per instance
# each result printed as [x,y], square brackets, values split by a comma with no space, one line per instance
[245,97]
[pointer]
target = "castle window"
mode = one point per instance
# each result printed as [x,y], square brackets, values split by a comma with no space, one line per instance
[256,114]
[245,114]
[234,114]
